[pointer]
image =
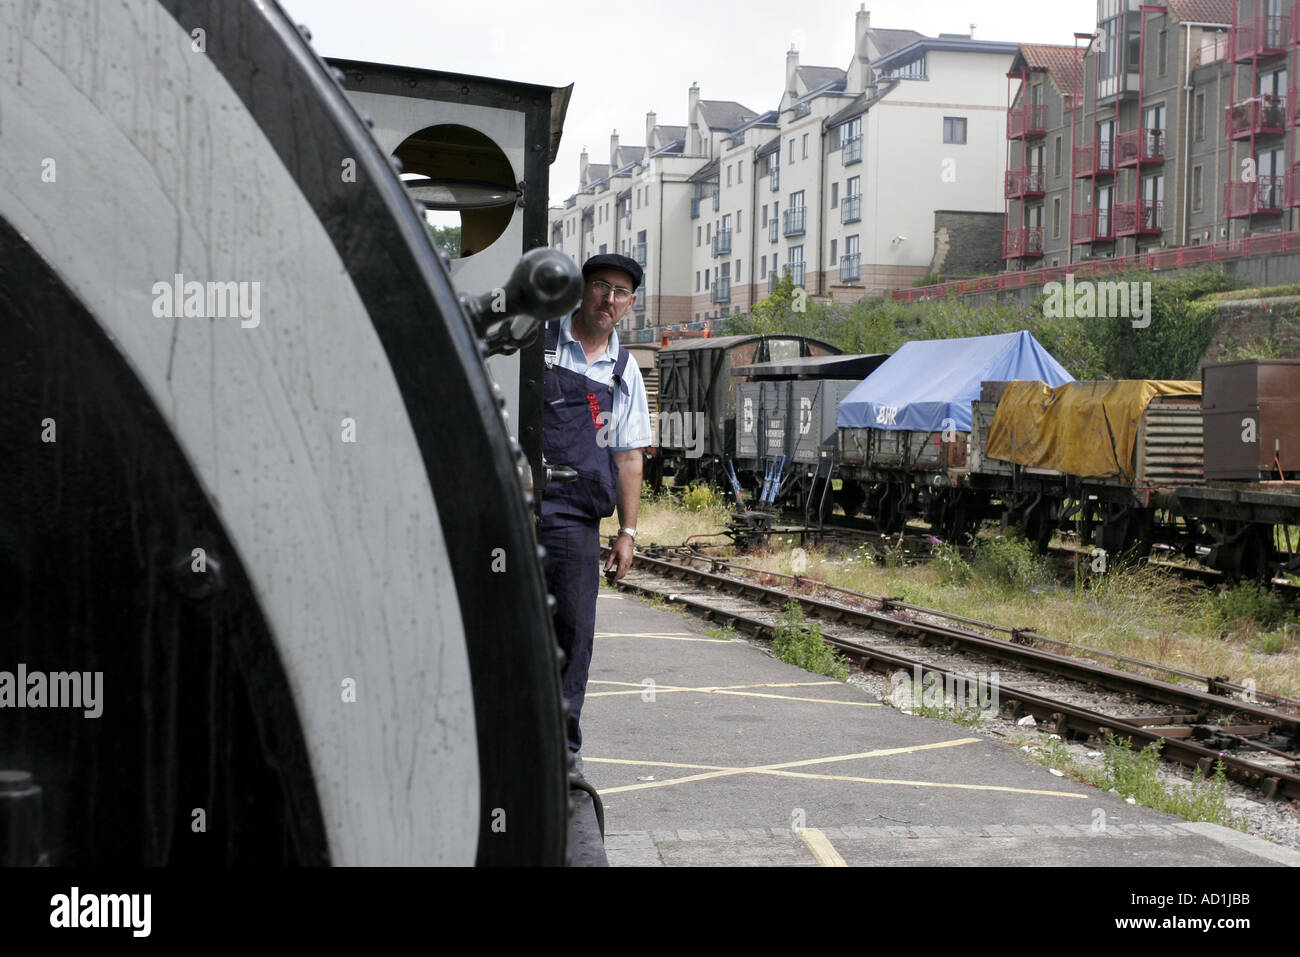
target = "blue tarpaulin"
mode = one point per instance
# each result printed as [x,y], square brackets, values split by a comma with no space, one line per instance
[925,383]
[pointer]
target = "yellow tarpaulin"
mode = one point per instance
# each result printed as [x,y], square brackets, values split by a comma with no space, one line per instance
[1080,428]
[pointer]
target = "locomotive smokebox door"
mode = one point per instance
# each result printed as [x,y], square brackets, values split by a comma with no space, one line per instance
[257,510]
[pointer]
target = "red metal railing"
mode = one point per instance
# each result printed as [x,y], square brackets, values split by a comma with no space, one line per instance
[1027,120]
[1176,258]
[1261,115]
[1213,48]
[1138,217]
[1095,159]
[1022,242]
[1140,146]
[1293,186]
[1263,197]
[1026,181]
[1091,226]
[1260,37]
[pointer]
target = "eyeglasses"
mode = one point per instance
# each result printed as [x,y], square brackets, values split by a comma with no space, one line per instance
[621,293]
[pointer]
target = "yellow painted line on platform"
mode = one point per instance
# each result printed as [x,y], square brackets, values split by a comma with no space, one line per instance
[925,784]
[635,688]
[821,847]
[724,772]
[610,597]
[614,634]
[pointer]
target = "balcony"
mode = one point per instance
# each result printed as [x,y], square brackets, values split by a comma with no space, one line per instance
[722,243]
[851,208]
[1293,98]
[721,291]
[1260,198]
[773,230]
[1139,217]
[1258,38]
[851,268]
[1024,242]
[1091,226]
[1140,148]
[793,221]
[638,253]
[795,271]
[1027,121]
[1263,115]
[1095,159]
[1024,182]
[1293,186]
[853,151]
[776,178]
[695,207]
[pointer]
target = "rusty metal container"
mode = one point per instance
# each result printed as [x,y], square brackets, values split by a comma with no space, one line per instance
[1252,419]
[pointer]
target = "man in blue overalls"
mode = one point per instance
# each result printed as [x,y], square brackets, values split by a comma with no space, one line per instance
[596,421]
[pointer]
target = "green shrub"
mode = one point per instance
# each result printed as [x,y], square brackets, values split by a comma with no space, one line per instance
[800,643]
[1245,603]
[951,567]
[701,497]
[1008,559]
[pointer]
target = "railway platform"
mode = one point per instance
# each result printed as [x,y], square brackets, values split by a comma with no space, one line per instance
[711,752]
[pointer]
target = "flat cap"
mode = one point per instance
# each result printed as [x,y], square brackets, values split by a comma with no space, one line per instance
[614,261]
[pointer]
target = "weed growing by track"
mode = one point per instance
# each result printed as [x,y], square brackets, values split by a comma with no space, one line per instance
[725,633]
[1133,775]
[800,643]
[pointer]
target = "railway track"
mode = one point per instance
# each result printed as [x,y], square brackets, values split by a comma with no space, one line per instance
[1257,740]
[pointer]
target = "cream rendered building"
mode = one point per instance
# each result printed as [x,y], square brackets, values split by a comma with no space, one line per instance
[838,185]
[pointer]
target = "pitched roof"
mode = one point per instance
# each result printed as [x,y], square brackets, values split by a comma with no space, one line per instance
[817,76]
[596,172]
[860,104]
[1202,11]
[887,41]
[672,132]
[631,154]
[725,114]
[706,173]
[1058,62]
[771,146]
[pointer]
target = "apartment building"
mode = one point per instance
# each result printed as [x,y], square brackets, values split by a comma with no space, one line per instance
[837,185]
[1178,121]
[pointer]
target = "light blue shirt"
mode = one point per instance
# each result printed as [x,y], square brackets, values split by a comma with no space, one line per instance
[630,426]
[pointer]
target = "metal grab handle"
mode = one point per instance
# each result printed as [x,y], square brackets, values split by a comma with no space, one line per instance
[545,283]
[560,473]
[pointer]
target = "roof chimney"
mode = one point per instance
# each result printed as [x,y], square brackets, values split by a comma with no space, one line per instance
[791,69]
[860,73]
[613,151]
[651,121]
[693,145]
[582,168]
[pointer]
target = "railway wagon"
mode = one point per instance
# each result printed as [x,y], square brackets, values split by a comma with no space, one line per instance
[234,534]
[697,397]
[786,419]
[904,431]
[1103,456]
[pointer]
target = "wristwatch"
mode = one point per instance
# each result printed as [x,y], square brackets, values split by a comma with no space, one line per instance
[630,532]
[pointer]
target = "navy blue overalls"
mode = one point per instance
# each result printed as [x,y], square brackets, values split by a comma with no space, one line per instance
[575,412]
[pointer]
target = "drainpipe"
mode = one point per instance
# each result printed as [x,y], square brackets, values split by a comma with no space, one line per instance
[753,233]
[1186,159]
[659,256]
[821,213]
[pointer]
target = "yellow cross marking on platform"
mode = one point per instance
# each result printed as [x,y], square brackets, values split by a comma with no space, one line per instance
[666,637]
[821,847]
[740,690]
[783,770]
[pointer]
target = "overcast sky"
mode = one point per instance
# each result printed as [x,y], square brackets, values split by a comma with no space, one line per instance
[626,59]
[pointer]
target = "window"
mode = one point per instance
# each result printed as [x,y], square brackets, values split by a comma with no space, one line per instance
[1161,47]
[728,175]
[853,187]
[833,260]
[737,270]
[738,212]
[805,146]
[706,279]
[792,151]
[1056,157]
[954,129]
[740,172]
[835,195]
[765,214]
[908,71]
[1198,188]
[697,280]
[699,231]
[708,232]
[1108,48]
[603,250]
[1056,218]
[762,265]
[1198,125]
